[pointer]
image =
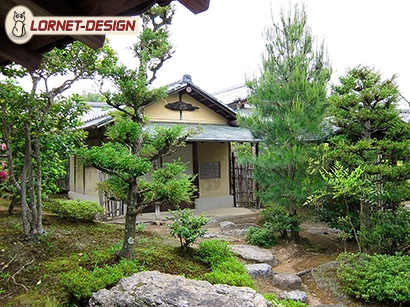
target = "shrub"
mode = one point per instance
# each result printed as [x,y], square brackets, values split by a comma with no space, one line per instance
[225,268]
[230,272]
[187,227]
[78,210]
[283,303]
[261,236]
[390,232]
[215,251]
[81,283]
[277,219]
[382,278]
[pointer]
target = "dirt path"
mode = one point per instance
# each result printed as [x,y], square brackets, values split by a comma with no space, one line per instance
[320,245]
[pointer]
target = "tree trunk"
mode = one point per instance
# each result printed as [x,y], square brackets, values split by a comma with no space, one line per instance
[23,198]
[13,202]
[39,225]
[130,223]
[365,220]
[294,235]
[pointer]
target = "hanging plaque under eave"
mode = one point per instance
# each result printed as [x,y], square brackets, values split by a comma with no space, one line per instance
[181,106]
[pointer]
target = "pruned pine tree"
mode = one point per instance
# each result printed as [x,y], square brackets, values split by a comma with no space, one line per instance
[289,104]
[132,150]
[373,136]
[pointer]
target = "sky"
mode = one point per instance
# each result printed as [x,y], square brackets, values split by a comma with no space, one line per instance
[222,47]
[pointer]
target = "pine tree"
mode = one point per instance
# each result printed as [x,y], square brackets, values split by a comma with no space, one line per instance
[372,135]
[289,102]
[132,151]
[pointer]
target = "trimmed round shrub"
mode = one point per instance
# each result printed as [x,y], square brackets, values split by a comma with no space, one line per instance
[77,210]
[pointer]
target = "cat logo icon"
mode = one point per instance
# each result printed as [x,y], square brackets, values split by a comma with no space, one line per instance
[17,24]
[19,29]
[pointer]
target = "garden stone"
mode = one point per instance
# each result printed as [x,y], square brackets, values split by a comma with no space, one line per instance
[155,289]
[331,305]
[253,253]
[225,224]
[296,295]
[287,281]
[259,270]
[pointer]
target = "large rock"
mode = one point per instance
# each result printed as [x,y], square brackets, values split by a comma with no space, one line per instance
[253,253]
[154,289]
[259,270]
[225,224]
[287,281]
[296,295]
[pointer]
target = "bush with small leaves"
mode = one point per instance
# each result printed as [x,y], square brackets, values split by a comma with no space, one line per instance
[390,232]
[277,219]
[262,237]
[187,227]
[225,268]
[77,210]
[215,251]
[382,278]
[81,283]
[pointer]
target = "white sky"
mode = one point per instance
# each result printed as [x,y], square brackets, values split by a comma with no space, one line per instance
[222,46]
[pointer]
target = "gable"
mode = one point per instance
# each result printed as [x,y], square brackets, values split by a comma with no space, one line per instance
[157,112]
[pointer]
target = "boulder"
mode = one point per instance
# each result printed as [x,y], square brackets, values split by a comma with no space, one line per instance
[296,295]
[259,270]
[225,224]
[287,281]
[255,254]
[155,289]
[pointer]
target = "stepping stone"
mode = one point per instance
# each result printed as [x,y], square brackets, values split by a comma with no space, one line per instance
[287,281]
[225,224]
[255,254]
[296,295]
[259,270]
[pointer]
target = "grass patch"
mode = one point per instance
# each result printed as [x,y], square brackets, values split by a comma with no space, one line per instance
[225,268]
[73,250]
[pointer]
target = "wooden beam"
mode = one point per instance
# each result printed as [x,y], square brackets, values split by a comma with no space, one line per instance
[93,41]
[20,54]
[196,6]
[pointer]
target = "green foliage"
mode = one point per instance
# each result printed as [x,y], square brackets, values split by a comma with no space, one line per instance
[390,232]
[81,283]
[39,125]
[169,183]
[283,303]
[381,278]
[213,252]
[372,133]
[134,150]
[78,210]
[278,219]
[225,268]
[186,226]
[259,236]
[289,101]
[118,159]
[230,272]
